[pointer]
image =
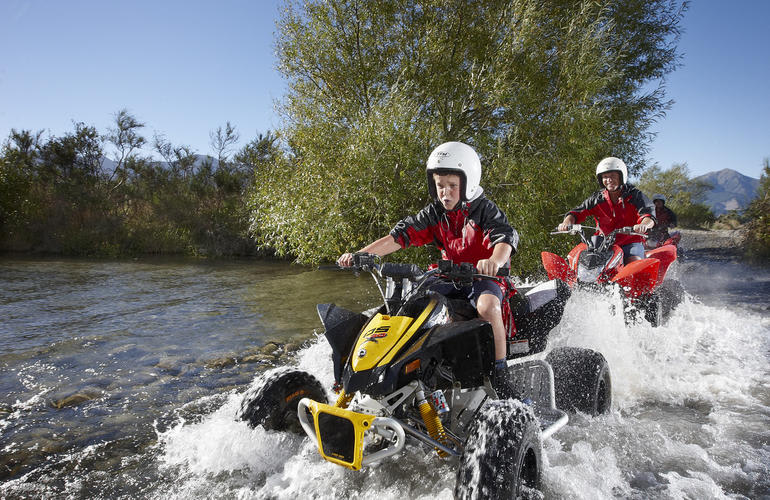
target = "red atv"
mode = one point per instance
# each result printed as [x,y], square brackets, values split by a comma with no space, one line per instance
[659,239]
[598,261]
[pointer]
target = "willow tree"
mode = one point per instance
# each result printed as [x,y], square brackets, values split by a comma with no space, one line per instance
[542,90]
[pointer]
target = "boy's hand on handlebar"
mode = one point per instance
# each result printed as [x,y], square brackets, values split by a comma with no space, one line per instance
[566,224]
[345,260]
[645,225]
[487,267]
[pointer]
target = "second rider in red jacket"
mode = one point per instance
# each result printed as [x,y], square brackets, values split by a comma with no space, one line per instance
[618,204]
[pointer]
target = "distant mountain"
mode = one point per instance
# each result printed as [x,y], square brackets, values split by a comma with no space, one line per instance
[108,165]
[731,190]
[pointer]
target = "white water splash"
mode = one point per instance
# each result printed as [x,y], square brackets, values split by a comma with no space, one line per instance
[690,413]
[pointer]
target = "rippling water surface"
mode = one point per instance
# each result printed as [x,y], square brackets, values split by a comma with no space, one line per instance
[122,379]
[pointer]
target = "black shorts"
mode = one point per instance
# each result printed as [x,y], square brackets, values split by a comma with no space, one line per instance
[471,293]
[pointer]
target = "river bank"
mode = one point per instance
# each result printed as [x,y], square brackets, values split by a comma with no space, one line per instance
[713,268]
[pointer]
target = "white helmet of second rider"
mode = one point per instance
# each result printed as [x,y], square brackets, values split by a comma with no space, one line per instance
[611,164]
[456,158]
[659,197]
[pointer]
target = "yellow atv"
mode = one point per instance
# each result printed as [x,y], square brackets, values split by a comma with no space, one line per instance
[420,366]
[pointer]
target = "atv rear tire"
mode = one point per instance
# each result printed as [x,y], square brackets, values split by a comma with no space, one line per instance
[582,380]
[273,402]
[503,453]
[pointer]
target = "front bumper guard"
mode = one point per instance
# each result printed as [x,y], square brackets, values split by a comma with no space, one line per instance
[339,433]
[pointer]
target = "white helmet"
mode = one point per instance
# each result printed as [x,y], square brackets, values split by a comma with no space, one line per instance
[456,158]
[611,164]
[659,197]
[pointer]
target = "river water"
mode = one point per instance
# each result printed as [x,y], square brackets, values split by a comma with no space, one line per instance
[122,379]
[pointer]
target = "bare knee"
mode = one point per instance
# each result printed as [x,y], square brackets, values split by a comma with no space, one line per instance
[488,307]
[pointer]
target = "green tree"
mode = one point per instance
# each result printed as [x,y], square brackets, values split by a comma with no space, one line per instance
[542,90]
[126,137]
[757,233]
[223,140]
[682,193]
[21,198]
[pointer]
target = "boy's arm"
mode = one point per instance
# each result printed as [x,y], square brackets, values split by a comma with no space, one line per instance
[500,255]
[383,246]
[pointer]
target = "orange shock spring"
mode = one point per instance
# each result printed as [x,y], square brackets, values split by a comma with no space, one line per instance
[434,425]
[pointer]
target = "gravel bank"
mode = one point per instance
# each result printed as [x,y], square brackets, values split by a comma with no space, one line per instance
[697,239]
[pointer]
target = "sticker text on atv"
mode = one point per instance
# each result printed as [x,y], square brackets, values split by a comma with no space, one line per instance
[376,333]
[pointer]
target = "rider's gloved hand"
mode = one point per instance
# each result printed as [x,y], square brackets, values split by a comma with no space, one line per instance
[345,260]
[487,266]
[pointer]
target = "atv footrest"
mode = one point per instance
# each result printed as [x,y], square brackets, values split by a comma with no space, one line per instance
[533,382]
[551,420]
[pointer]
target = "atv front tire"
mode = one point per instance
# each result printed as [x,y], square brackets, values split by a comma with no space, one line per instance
[502,457]
[582,380]
[273,402]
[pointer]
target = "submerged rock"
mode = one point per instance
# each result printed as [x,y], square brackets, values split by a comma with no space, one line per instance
[223,362]
[75,399]
[258,358]
[270,348]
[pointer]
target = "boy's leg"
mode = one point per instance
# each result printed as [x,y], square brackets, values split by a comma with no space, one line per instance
[488,300]
[488,307]
[632,252]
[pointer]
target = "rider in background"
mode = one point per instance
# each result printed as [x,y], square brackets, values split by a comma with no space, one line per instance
[617,204]
[665,218]
[467,227]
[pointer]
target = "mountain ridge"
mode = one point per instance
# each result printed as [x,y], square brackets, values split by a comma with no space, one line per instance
[731,190]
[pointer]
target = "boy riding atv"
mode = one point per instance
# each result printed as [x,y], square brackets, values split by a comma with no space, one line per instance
[665,219]
[427,368]
[617,204]
[468,228]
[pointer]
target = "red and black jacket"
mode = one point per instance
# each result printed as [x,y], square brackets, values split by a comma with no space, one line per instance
[631,208]
[664,219]
[465,234]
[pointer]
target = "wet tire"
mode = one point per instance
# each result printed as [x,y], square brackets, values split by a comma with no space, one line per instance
[582,380]
[502,458]
[273,402]
[653,310]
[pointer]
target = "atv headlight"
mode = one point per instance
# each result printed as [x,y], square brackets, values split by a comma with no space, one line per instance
[587,275]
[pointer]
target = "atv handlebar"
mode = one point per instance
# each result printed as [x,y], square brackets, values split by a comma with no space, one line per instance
[577,228]
[461,274]
[605,242]
[464,272]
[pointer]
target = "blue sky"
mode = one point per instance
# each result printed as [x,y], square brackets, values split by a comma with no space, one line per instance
[187,67]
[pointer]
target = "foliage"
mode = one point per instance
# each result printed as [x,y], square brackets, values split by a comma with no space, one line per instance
[542,90]
[58,195]
[681,193]
[757,235]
